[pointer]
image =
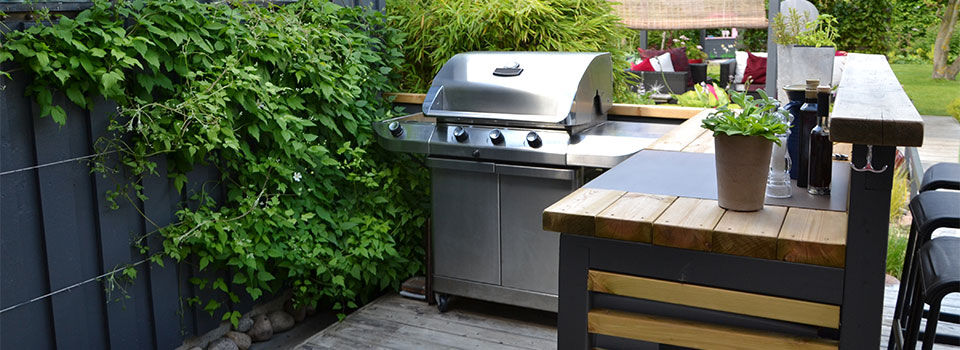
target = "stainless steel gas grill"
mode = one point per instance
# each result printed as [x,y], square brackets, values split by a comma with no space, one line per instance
[507,134]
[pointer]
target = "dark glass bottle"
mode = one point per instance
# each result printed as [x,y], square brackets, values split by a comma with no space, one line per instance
[821,148]
[796,94]
[806,122]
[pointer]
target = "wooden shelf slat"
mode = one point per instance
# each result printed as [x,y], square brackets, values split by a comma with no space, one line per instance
[702,144]
[621,109]
[694,334]
[405,97]
[816,237]
[654,111]
[758,305]
[688,223]
[631,217]
[752,234]
[682,135]
[576,213]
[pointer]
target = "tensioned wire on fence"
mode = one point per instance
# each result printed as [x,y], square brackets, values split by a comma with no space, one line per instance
[72,286]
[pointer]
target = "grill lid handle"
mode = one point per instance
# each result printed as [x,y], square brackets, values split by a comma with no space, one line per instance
[508,71]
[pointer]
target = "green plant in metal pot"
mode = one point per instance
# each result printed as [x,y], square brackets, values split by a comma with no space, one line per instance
[743,141]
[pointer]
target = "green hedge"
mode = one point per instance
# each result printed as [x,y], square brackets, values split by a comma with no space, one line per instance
[280,100]
[437,30]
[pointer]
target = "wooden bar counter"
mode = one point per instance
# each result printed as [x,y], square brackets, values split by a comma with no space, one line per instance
[648,257]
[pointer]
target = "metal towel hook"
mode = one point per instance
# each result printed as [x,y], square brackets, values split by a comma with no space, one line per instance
[869,166]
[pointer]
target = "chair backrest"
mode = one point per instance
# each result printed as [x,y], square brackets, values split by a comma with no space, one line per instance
[692,14]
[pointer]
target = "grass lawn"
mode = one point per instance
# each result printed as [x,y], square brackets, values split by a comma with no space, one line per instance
[931,97]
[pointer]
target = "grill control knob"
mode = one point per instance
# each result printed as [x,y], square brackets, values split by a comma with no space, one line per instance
[460,134]
[496,137]
[395,129]
[534,140]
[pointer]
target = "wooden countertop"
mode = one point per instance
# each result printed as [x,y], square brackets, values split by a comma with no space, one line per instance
[801,235]
[666,195]
[871,107]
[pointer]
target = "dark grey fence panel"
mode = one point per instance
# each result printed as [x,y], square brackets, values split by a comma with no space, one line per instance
[69,229]
[59,237]
[23,266]
[118,228]
[165,282]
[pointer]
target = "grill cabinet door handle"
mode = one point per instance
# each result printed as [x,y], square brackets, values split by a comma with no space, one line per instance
[538,172]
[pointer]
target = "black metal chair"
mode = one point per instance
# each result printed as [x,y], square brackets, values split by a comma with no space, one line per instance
[939,264]
[941,176]
[930,210]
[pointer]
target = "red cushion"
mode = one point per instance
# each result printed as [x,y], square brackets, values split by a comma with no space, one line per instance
[756,69]
[644,66]
[699,60]
[678,56]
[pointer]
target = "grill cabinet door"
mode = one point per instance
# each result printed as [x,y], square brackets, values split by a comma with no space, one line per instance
[531,256]
[466,236]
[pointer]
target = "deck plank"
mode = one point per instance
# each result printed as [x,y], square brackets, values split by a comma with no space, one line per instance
[349,334]
[682,135]
[688,223]
[631,217]
[752,234]
[816,237]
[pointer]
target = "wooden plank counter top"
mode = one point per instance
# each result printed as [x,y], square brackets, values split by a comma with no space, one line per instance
[871,107]
[800,235]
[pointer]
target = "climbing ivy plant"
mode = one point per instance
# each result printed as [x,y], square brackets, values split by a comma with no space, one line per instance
[279,100]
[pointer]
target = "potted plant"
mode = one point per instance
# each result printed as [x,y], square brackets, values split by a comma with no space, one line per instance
[743,140]
[805,48]
[696,58]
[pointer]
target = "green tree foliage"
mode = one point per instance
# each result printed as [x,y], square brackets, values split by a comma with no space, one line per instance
[862,25]
[280,100]
[438,29]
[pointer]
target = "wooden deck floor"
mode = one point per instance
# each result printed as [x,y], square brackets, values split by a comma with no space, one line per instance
[941,140]
[394,322]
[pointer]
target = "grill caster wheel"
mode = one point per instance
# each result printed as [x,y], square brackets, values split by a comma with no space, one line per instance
[443,302]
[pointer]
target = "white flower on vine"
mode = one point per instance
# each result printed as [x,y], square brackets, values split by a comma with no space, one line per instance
[676,40]
[684,37]
[699,47]
[297,176]
[656,87]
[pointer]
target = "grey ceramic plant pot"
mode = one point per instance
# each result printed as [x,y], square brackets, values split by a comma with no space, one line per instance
[743,163]
[796,64]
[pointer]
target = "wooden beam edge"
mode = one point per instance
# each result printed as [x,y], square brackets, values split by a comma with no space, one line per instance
[763,306]
[694,334]
[622,109]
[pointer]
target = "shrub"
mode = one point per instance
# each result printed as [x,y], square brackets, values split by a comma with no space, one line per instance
[954,108]
[280,100]
[794,28]
[437,30]
[862,25]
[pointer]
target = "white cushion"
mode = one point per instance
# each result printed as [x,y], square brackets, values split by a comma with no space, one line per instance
[742,63]
[662,63]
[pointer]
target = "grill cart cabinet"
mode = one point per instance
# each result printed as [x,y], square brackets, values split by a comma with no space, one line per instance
[648,257]
[487,239]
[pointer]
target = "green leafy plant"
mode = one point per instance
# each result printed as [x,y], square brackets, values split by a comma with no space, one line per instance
[954,108]
[703,96]
[796,29]
[758,117]
[279,100]
[436,30]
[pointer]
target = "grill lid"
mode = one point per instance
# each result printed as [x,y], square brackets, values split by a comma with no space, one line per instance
[571,90]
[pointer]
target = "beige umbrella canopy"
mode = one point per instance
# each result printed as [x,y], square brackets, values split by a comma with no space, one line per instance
[692,14]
